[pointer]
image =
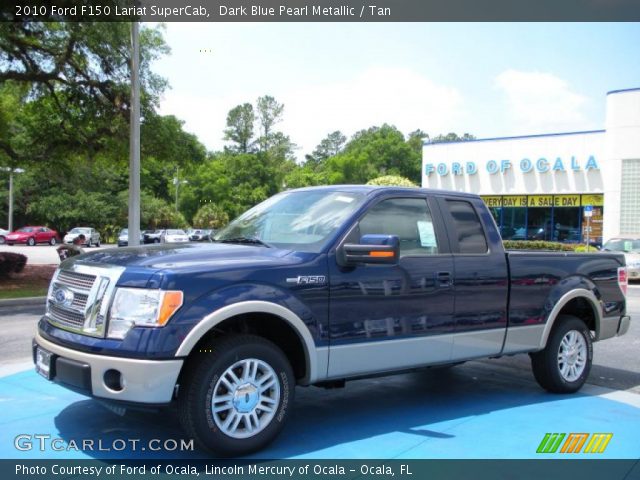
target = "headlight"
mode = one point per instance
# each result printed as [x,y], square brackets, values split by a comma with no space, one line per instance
[141,307]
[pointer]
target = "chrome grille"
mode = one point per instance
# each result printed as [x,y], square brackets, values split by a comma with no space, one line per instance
[74,279]
[80,296]
[66,318]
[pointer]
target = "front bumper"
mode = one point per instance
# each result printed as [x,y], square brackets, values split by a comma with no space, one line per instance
[144,381]
[633,273]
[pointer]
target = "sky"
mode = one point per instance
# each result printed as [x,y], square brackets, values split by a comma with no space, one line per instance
[486,79]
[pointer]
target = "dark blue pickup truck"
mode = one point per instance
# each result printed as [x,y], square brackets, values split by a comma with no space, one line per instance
[313,287]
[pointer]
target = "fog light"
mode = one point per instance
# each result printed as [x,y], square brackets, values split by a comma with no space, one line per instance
[113,380]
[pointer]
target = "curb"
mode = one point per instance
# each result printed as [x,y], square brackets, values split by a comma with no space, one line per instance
[19,302]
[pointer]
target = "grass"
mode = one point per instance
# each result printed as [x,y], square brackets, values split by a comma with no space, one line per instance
[23,292]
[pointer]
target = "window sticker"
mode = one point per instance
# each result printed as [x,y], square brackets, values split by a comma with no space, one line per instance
[427,235]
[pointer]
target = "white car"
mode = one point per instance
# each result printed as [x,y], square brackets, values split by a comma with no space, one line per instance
[174,236]
[3,235]
[91,236]
[630,246]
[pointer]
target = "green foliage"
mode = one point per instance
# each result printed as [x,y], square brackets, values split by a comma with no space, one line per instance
[210,216]
[11,263]
[392,181]
[538,245]
[239,129]
[584,248]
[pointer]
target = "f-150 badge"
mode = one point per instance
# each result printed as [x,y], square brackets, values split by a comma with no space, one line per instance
[308,280]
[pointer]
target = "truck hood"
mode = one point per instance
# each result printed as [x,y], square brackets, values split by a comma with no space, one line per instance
[186,256]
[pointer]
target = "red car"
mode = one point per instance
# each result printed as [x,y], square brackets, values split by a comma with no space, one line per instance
[33,235]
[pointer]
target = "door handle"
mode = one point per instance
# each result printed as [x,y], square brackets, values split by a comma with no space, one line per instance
[443,279]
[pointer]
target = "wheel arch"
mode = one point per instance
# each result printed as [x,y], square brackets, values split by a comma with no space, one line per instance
[253,311]
[580,303]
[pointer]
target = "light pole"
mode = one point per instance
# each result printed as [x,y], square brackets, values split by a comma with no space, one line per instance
[11,172]
[177,182]
[134,140]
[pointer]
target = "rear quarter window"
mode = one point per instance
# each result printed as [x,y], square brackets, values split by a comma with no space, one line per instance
[467,227]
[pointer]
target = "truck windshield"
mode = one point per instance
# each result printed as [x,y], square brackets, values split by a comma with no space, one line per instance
[302,221]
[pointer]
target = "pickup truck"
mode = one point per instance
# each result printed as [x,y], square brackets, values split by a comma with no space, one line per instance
[314,287]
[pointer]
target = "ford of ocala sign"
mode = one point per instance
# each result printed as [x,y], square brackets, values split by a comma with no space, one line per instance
[526,165]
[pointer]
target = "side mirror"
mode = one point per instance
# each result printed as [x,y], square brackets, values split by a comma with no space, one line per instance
[372,249]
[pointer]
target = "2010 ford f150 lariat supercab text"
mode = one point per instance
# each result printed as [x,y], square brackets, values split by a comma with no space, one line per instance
[317,286]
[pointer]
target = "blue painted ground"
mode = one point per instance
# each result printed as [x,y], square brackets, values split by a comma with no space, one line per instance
[466,412]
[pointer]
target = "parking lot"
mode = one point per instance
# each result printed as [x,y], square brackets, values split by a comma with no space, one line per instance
[43,254]
[481,409]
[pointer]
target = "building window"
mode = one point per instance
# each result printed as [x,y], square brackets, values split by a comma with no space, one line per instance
[558,218]
[630,198]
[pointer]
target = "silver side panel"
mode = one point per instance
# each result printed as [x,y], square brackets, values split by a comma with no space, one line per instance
[480,343]
[389,355]
[523,339]
[609,327]
[317,358]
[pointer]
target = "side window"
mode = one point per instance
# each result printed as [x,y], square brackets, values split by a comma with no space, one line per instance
[468,227]
[409,219]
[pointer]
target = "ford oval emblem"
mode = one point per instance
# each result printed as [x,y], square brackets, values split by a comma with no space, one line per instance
[63,297]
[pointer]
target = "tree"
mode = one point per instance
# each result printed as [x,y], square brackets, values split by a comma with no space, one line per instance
[269,114]
[330,146]
[77,83]
[452,137]
[210,215]
[392,181]
[239,129]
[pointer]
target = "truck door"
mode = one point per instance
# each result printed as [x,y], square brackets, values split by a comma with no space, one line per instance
[389,317]
[480,279]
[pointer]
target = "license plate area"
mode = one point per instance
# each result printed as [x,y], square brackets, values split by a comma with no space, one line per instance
[43,362]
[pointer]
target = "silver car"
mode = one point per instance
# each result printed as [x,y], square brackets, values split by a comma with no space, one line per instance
[174,236]
[91,236]
[3,235]
[630,246]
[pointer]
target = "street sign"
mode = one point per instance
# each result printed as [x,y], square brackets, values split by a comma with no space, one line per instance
[588,210]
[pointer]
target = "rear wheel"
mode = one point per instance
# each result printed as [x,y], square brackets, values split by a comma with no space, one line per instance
[235,397]
[564,365]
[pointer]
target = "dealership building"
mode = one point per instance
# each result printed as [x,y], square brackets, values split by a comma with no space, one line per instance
[559,186]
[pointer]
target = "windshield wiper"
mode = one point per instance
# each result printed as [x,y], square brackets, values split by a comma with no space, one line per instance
[247,240]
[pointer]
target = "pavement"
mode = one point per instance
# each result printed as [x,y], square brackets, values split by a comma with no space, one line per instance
[481,409]
[42,254]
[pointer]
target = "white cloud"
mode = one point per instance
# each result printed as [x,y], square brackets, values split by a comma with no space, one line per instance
[542,102]
[398,96]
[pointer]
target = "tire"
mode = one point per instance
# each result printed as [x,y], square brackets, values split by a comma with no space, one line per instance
[208,376]
[98,244]
[2,240]
[157,240]
[53,241]
[31,242]
[556,370]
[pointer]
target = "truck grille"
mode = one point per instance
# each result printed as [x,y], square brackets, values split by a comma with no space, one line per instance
[66,318]
[79,298]
[79,280]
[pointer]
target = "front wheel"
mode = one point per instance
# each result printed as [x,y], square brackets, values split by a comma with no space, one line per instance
[564,365]
[31,242]
[236,395]
[53,241]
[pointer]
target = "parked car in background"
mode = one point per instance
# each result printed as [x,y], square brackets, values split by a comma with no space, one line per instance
[123,238]
[200,235]
[152,236]
[630,246]
[33,235]
[174,236]
[3,235]
[91,236]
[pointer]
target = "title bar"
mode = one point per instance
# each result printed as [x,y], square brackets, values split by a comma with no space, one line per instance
[320,10]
